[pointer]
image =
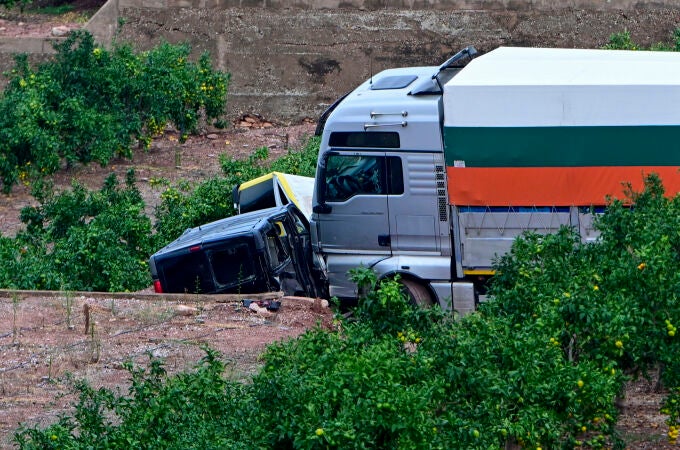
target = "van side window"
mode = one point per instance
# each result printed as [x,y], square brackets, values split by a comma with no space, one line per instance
[350,175]
[277,253]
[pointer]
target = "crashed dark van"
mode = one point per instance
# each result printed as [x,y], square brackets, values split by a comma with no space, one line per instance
[261,251]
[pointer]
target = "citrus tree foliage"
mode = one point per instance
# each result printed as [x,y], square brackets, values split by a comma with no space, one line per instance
[9,4]
[185,205]
[89,104]
[624,41]
[80,240]
[614,303]
[195,410]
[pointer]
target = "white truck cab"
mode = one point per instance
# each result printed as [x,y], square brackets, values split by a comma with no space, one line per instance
[380,199]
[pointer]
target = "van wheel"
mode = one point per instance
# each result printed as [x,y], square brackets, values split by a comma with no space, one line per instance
[417,293]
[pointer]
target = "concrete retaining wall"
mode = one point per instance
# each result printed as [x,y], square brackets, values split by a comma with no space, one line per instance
[290,59]
[289,63]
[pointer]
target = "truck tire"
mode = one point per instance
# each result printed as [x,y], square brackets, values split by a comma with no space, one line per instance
[417,293]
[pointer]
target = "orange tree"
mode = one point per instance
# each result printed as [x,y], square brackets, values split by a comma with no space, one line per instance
[80,239]
[91,104]
[613,303]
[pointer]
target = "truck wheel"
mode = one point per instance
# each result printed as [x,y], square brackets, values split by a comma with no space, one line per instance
[417,293]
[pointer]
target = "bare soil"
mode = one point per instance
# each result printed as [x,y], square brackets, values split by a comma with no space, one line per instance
[43,338]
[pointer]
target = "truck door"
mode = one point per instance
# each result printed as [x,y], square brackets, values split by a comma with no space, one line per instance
[354,218]
[418,217]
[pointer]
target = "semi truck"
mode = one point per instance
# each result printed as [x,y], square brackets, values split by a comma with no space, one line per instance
[430,173]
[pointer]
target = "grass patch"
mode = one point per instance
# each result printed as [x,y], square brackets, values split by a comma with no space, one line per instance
[51,10]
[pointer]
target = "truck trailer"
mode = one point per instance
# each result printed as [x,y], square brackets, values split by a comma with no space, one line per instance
[432,172]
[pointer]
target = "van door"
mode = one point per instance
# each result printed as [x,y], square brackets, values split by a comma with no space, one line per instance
[354,219]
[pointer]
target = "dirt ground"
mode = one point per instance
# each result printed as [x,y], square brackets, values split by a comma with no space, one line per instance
[42,338]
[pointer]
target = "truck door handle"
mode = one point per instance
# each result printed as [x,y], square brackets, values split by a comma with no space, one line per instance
[384,240]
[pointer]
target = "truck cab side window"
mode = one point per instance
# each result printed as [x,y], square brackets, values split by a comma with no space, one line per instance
[395,176]
[350,175]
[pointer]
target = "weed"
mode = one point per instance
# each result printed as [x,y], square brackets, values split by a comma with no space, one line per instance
[95,343]
[68,306]
[15,311]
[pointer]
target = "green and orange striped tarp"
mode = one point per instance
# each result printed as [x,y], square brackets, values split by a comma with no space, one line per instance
[561,127]
[548,166]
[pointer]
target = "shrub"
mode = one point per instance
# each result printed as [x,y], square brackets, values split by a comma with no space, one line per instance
[90,104]
[189,410]
[623,41]
[80,240]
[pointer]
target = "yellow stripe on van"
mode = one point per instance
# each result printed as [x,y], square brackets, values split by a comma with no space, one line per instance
[287,189]
[255,181]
